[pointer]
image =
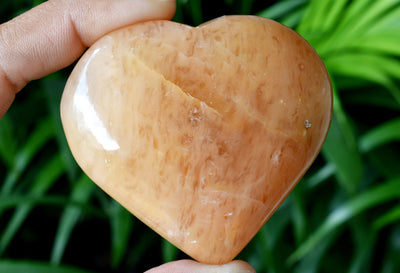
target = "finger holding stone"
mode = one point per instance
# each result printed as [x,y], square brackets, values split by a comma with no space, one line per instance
[54,34]
[186,266]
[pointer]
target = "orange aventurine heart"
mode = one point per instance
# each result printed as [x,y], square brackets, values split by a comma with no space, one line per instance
[199,132]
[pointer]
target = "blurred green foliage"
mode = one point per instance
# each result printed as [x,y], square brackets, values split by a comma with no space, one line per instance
[344,216]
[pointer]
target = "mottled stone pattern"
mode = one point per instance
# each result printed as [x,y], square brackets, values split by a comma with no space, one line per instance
[199,132]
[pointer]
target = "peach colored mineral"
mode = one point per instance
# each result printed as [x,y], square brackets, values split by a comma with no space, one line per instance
[199,132]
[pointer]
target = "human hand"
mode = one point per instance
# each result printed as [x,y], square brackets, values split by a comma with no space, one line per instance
[54,34]
[188,266]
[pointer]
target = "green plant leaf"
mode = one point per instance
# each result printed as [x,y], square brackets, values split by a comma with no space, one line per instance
[386,160]
[333,14]
[80,193]
[48,200]
[392,216]
[378,69]
[246,6]
[348,18]
[267,240]
[168,251]
[196,11]
[373,11]
[299,215]
[7,266]
[278,222]
[121,229]
[46,177]
[178,17]
[281,8]
[391,261]
[321,175]
[381,42]
[352,27]
[145,242]
[8,143]
[340,149]
[293,19]
[389,23]
[314,16]
[363,255]
[384,133]
[269,262]
[376,196]
[375,97]
[53,86]
[313,260]
[40,136]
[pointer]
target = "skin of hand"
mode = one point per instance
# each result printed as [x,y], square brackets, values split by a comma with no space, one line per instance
[188,266]
[53,35]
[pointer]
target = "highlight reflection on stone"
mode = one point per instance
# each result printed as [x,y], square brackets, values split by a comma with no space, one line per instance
[199,132]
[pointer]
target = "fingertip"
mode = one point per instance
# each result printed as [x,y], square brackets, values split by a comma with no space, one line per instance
[189,266]
[238,267]
[167,7]
[7,93]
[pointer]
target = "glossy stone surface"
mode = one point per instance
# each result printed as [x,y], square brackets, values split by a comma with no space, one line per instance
[199,132]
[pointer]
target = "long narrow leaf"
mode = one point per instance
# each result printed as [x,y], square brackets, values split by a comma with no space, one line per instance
[45,179]
[384,133]
[391,262]
[375,97]
[48,200]
[281,8]
[388,218]
[178,17]
[340,149]
[246,6]
[267,240]
[387,23]
[352,26]
[145,242]
[53,87]
[8,143]
[42,134]
[374,68]
[321,175]
[350,17]
[81,193]
[314,16]
[389,190]
[8,266]
[362,260]
[269,262]
[293,19]
[386,160]
[312,262]
[169,252]
[381,42]
[336,9]
[121,229]
[299,215]
[196,11]
[375,11]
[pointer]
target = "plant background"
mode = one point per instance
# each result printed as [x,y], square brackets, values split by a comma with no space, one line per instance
[344,215]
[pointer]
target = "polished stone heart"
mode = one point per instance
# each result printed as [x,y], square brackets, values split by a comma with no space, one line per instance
[199,132]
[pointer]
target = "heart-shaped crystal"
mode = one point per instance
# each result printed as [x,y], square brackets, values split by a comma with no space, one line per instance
[199,132]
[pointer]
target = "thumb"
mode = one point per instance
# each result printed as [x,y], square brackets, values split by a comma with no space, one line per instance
[54,34]
[188,266]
